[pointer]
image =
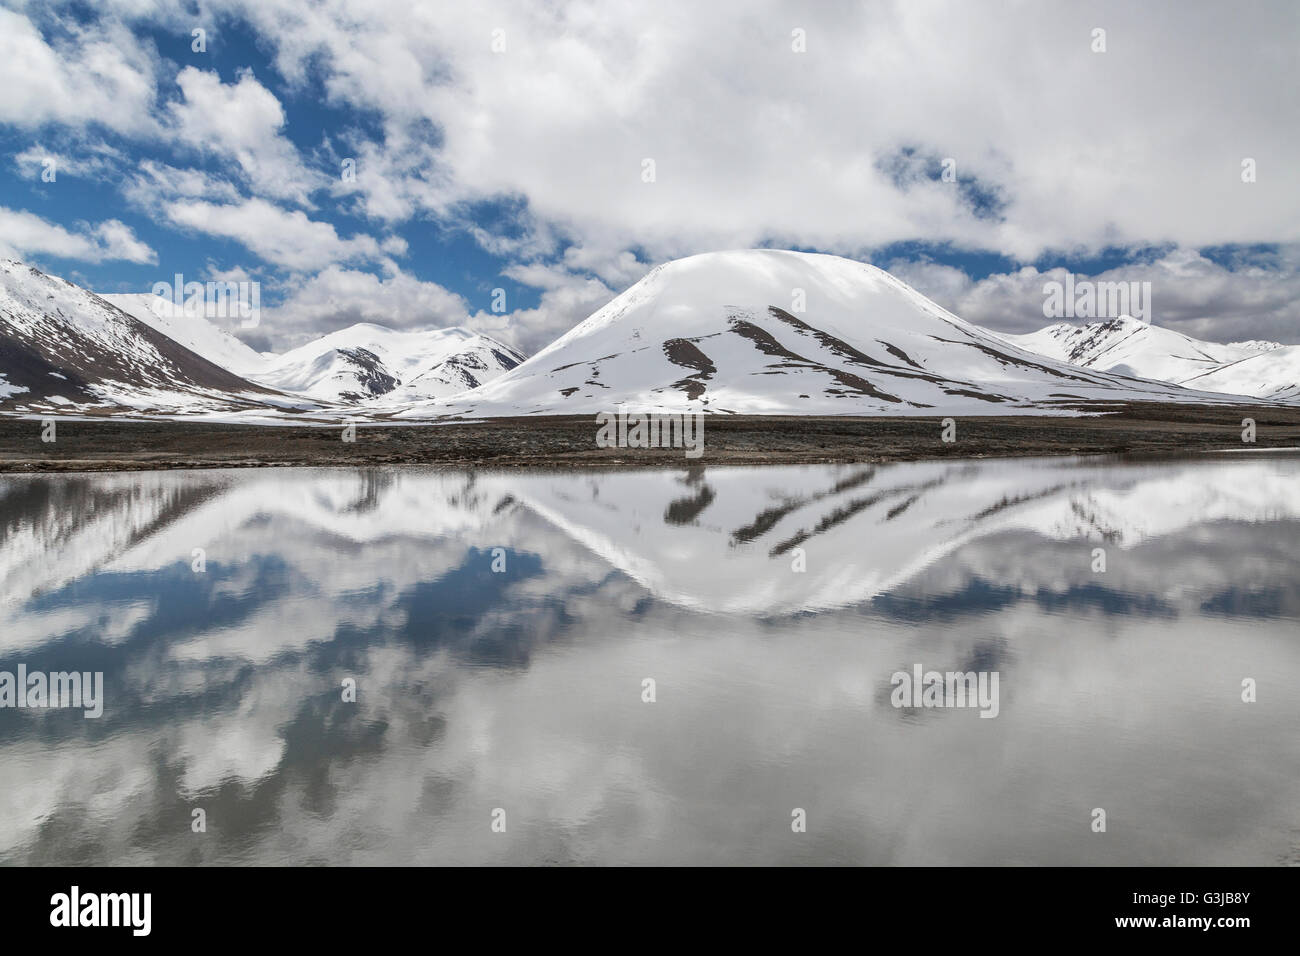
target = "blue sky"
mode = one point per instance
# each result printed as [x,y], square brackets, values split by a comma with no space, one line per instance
[505,146]
[439,251]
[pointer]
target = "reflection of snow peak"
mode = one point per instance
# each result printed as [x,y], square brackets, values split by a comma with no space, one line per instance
[651,430]
[709,538]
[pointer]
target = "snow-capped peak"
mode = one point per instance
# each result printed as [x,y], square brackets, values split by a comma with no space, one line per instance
[1256,345]
[1129,346]
[366,362]
[775,332]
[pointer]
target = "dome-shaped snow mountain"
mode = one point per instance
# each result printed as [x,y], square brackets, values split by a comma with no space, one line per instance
[774,332]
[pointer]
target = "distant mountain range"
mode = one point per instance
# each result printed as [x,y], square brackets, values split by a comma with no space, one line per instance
[63,348]
[1132,347]
[371,364]
[752,332]
[363,364]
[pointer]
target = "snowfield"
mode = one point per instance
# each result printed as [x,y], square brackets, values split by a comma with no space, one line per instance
[1273,375]
[198,333]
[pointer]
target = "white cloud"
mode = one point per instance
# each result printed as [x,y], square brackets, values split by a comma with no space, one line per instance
[242,122]
[153,183]
[24,234]
[117,241]
[100,74]
[566,300]
[396,179]
[215,273]
[283,237]
[84,160]
[337,297]
[753,141]
[1189,293]
[394,245]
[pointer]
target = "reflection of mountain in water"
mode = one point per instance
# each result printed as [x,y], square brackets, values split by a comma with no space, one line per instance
[480,688]
[861,531]
[719,539]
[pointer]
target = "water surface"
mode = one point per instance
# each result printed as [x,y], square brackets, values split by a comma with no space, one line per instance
[770,606]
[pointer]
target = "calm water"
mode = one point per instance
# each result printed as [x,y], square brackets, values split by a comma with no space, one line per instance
[521,689]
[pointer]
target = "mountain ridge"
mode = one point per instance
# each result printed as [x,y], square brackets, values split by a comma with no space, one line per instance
[354,365]
[61,346]
[760,331]
[1131,346]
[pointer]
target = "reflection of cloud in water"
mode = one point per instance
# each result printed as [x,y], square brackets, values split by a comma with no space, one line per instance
[522,689]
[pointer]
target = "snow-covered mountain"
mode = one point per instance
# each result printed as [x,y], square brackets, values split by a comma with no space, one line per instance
[1272,375]
[1130,346]
[64,348]
[361,364]
[198,333]
[364,363]
[752,331]
[773,332]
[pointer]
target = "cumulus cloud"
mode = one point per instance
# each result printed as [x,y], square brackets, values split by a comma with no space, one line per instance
[99,75]
[1190,293]
[284,237]
[153,183]
[565,301]
[24,235]
[242,122]
[83,160]
[752,140]
[338,297]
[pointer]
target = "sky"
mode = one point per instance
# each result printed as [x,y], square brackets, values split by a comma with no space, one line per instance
[399,162]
